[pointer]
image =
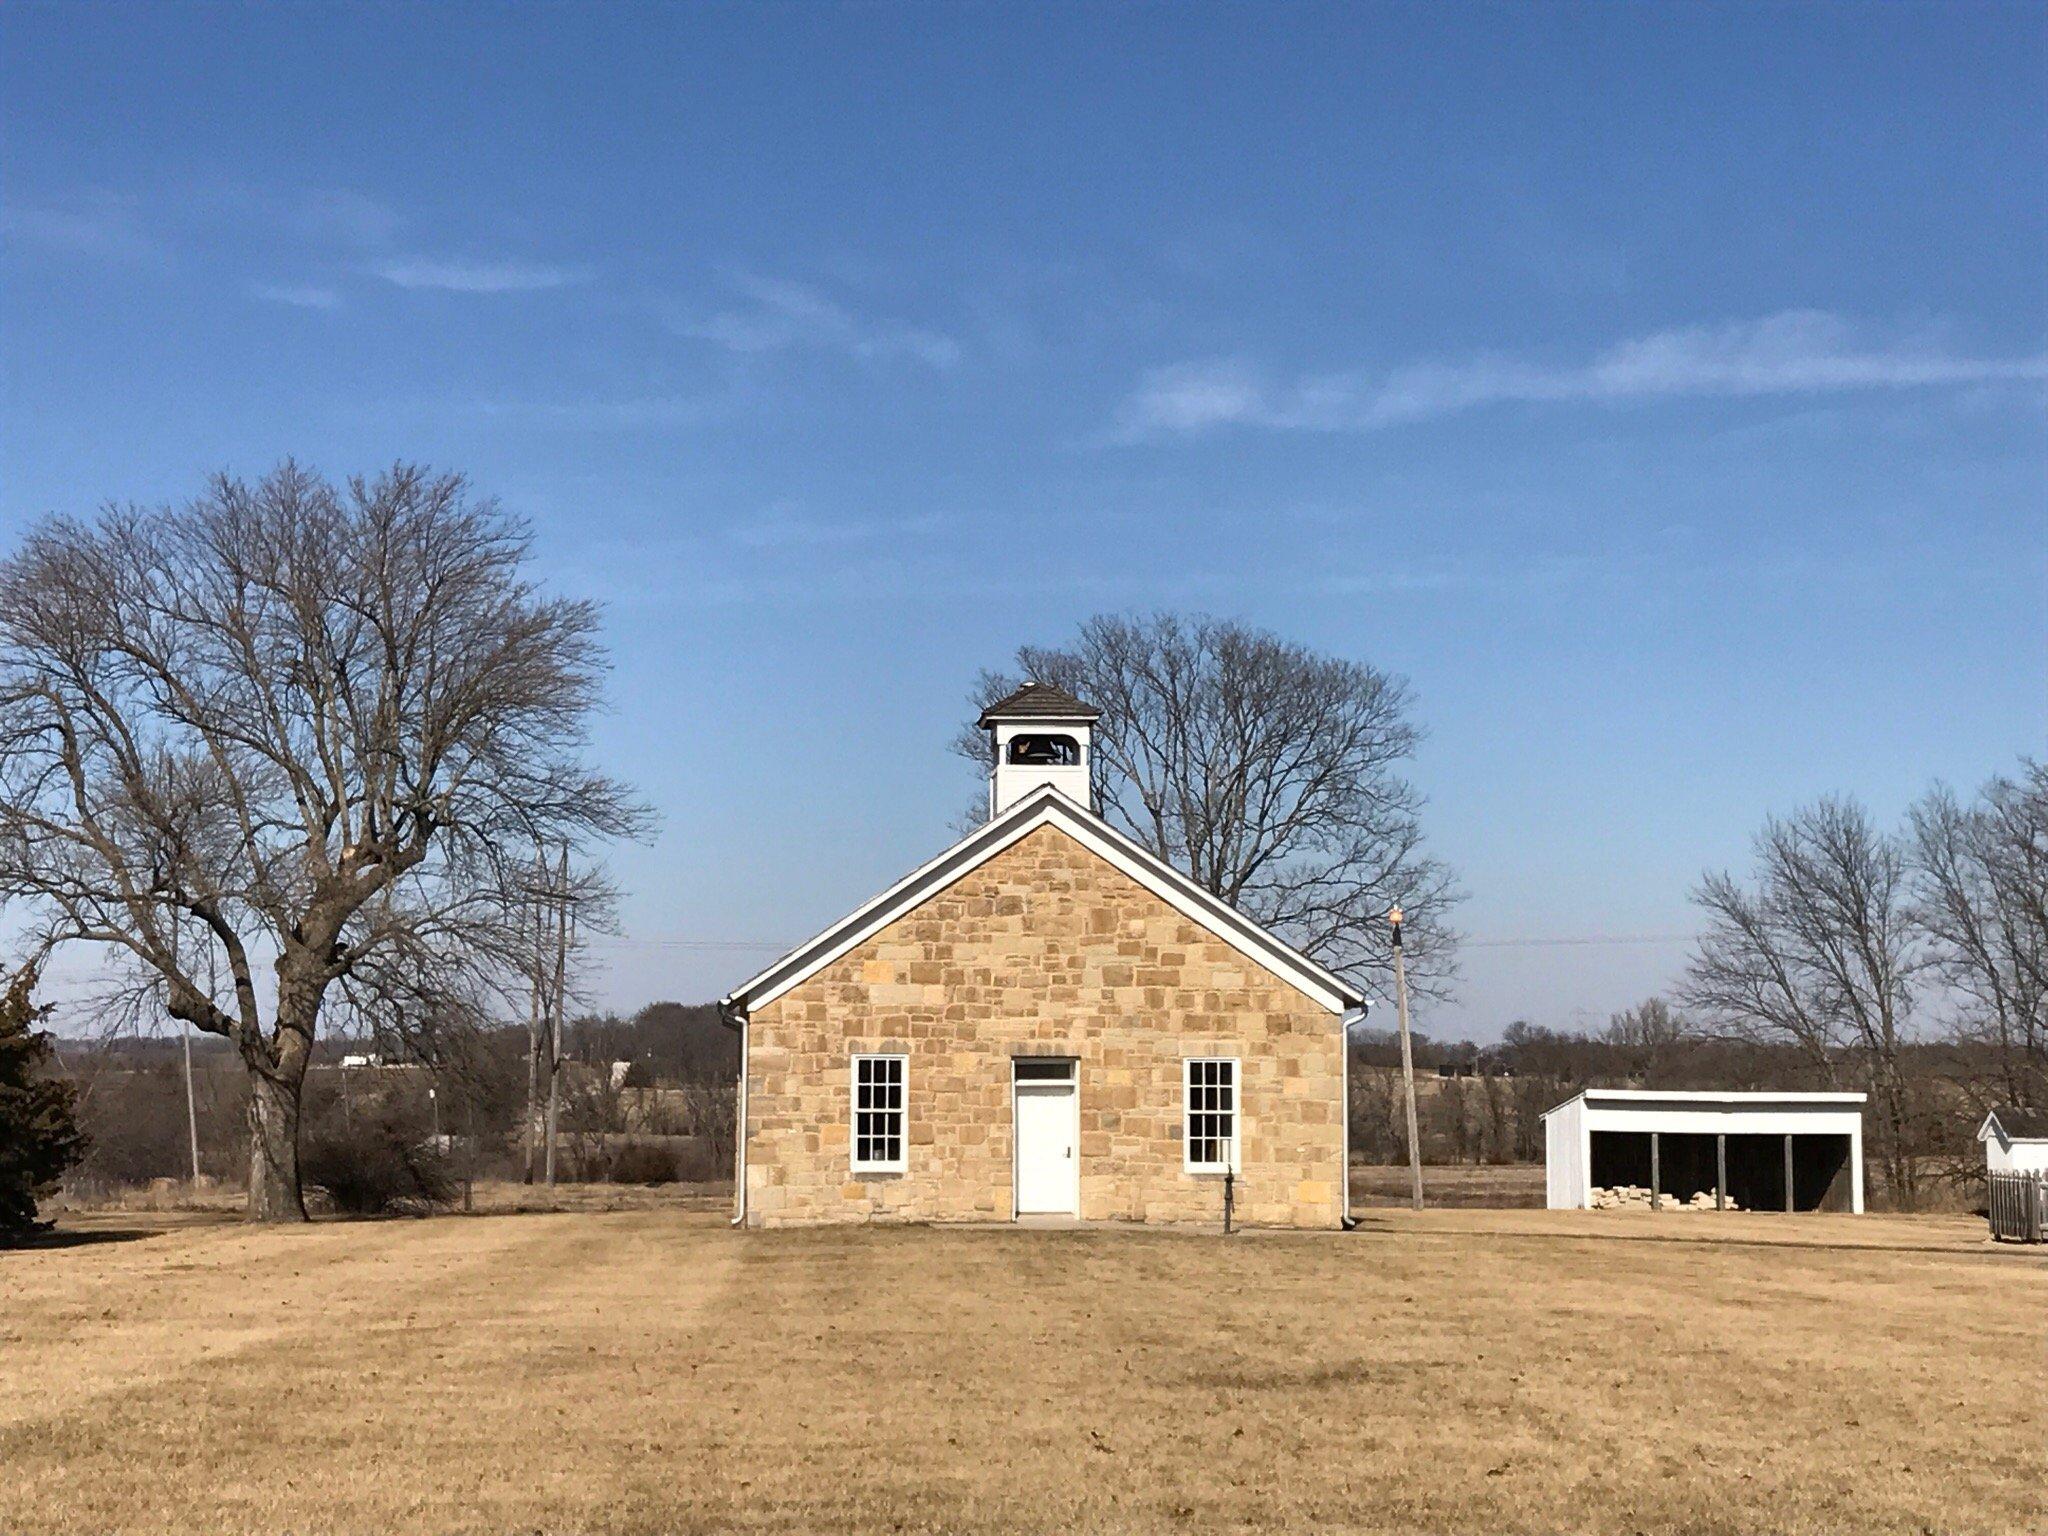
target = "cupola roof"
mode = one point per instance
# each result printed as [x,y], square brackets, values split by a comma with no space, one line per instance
[1038,701]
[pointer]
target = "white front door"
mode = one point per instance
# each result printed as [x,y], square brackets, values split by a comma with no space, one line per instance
[1048,1150]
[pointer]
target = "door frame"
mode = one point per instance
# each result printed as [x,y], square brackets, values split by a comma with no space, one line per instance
[1073,1082]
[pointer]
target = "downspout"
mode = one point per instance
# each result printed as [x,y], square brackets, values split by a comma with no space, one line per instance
[1345,1024]
[734,1017]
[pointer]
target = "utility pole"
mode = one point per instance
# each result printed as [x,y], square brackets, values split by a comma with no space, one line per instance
[560,1007]
[533,1035]
[185,1035]
[191,1108]
[1407,1063]
[469,1144]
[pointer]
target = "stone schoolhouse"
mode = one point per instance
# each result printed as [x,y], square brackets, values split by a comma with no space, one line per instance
[1046,1020]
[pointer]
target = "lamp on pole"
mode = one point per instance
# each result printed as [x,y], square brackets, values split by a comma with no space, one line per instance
[1407,1062]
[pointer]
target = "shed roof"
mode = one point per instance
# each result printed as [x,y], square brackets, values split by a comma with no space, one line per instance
[1039,701]
[2011,1123]
[1649,1100]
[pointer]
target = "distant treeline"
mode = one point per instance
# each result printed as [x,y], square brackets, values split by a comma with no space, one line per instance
[1478,1103]
[681,1065]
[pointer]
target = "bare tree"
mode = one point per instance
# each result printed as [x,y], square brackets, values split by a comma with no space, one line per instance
[1379,1129]
[1819,954]
[1982,882]
[1269,774]
[308,727]
[1646,1038]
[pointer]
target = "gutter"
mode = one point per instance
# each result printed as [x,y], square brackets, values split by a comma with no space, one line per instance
[733,1016]
[1345,1024]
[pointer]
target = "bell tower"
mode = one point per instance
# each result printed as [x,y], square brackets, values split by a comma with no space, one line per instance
[1042,735]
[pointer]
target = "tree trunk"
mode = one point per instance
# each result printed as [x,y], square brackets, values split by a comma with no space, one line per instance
[274,1149]
[1900,1172]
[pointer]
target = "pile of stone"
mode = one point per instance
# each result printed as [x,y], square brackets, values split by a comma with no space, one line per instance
[1623,1197]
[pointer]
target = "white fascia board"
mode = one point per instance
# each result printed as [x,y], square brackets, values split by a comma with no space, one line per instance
[1993,1127]
[1731,1120]
[1044,807]
[1715,1095]
[1637,1101]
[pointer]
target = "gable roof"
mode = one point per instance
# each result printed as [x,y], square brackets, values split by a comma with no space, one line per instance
[1038,701]
[2010,1124]
[1649,1100]
[1046,806]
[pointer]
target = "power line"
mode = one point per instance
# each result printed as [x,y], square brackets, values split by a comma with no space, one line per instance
[1592,938]
[1544,941]
[726,944]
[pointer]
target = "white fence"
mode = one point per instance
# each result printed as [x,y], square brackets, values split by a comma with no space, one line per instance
[2019,1207]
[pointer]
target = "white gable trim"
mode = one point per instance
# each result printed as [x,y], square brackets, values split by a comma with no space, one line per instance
[1992,1126]
[1048,807]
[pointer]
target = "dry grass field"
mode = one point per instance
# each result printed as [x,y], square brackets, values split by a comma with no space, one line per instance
[1505,1186]
[650,1370]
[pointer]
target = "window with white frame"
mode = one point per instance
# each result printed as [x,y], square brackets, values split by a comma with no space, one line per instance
[1211,1114]
[878,1115]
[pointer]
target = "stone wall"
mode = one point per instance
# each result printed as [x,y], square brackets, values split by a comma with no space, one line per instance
[1046,949]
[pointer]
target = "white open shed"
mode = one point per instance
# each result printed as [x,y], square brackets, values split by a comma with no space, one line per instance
[1762,1151]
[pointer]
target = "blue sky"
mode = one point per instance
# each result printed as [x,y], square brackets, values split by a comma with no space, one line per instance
[1659,389]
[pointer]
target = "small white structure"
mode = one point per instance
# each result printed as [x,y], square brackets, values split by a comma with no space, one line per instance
[1042,736]
[1757,1151]
[2015,1140]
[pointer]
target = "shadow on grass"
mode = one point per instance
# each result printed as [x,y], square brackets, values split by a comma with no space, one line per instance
[34,1242]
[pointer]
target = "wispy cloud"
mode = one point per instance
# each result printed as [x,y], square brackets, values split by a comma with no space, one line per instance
[908,582]
[1797,352]
[1191,397]
[457,276]
[782,529]
[342,216]
[299,297]
[782,315]
[601,415]
[102,226]
[568,413]
[1540,573]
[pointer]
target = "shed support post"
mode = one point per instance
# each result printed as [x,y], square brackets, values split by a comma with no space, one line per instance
[1720,1170]
[1789,1207]
[1656,1175]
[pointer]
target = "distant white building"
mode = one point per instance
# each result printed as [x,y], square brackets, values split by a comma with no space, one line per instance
[1762,1151]
[2015,1140]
